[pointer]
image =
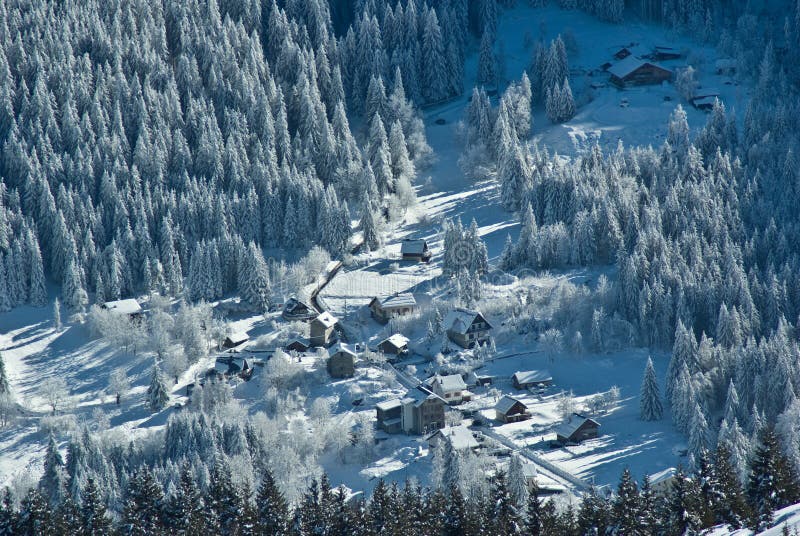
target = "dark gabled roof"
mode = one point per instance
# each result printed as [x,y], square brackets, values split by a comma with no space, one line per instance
[569,428]
[630,65]
[505,404]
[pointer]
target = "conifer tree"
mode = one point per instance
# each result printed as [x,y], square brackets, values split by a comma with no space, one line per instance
[144,504]
[35,516]
[517,483]
[52,484]
[682,505]
[650,408]
[185,509]
[8,516]
[505,517]
[627,504]
[94,519]
[773,483]
[486,63]
[273,511]
[732,508]
[5,388]
[157,394]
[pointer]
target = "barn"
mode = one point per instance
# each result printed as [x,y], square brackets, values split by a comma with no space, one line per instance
[633,71]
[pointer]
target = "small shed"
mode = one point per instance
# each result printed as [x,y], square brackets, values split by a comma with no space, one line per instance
[397,344]
[532,378]
[385,308]
[415,250]
[341,361]
[323,330]
[509,409]
[235,339]
[635,72]
[577,430]
[460,438]
[129,307]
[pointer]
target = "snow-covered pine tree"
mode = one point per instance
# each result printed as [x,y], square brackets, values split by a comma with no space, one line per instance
[52,483]
[772,483]
[72,288]
[698,430]
[253,278]
[486,61]
[517,483]
[157,394]
[273,511]
[370,228]
[650,407]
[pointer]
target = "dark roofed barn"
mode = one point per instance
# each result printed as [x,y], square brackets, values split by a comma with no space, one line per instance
[635,72]
[579,429]
[415,250]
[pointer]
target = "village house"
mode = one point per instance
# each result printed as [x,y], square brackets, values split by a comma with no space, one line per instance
[341,361]
[415,250]
[460,438]
[129,307]
[228,367]
[423,411]
[295,309]
[389,415]
[531,378]
[235,339]
[451,388]
[323,330]
[704,98]
[395,345]
[467,328]
[633,71]
[384,309]
[662,53]
[661,482]
[509,409]
[577,430]
[298,344]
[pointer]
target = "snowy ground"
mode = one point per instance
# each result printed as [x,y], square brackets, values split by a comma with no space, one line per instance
[33,351]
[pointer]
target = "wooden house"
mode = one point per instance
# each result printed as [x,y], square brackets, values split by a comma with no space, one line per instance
[633,71]
[704,98]
[389,415]
[531,378]
[577,430]
[298,344]
[622,53]
[451,388]
[460,438]
[467,328]
[423,411]
[395,345]
[662,53]
[323,330]
[386,308]
[129,307]
[235,339]
[509,409]
[415,250]
[295,309]
[341,361]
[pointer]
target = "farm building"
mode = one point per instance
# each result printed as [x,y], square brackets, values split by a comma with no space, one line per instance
[622,53]
[423,411]
[389,415]
[661,53]
[227,367]
[235,339]
[725,66]
[635,72]
[532,378]
[128,307]
[661,482]
[298,344]
[451,388]
[577,430]
[397,344]
[415,250]
[383,309]
[509,409]
[323,330]
[467,328]
[341,361]
[460,438]
[297,310]
[704,98]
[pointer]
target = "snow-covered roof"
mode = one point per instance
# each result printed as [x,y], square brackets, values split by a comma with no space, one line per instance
[704,101]
[326,319]
[662,476]
[238,337]
[396,301]
[569,428]
[387,405]
[532,376]
[300,340]
[413,247]
[128,307]
[448,384]
[528,470]
[706,92]
[459,437]
[342,348]
[459,320]
[397,340]
[505,404]
[293,303]
[623,68]
[419,395]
